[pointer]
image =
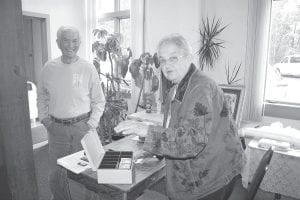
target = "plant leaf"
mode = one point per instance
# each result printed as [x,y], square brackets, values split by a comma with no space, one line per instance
[210,45]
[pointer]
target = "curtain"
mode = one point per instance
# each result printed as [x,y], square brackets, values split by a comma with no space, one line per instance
[258,25]
[137,17]
[90,21]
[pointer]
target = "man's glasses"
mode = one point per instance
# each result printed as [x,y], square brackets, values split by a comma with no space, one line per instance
[172,60]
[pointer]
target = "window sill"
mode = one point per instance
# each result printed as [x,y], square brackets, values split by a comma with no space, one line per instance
[282,111]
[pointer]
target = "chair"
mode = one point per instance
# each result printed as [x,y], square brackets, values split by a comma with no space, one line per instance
[240,193]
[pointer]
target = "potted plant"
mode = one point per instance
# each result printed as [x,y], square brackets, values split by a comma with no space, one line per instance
[210,44]
[142,71]
[108,46]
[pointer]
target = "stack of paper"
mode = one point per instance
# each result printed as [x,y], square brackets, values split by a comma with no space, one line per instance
[75,162]
[287,134]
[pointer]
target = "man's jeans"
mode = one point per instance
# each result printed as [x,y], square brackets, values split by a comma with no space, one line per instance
[64,140]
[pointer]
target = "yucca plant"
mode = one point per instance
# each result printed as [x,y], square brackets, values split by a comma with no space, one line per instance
[210,44]
[232,76]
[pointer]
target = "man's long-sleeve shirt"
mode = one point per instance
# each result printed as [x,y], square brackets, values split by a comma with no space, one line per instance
[202,149]
[70,90]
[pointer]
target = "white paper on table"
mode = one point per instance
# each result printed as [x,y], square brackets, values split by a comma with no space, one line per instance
[74,162]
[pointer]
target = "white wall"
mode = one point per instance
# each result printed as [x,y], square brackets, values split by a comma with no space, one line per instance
[168,16]
[233,13]
[171,16]
[61,12]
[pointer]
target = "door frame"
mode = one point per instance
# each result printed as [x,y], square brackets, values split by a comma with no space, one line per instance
[46,28]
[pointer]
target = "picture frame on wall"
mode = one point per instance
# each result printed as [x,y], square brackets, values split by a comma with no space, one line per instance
[235,95]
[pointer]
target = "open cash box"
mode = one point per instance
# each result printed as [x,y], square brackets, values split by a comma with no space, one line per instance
[113,167]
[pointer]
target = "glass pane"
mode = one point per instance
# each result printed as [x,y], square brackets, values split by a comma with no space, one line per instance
[106,6]
[124,4]
[107,25]
[283,70]
[125,30]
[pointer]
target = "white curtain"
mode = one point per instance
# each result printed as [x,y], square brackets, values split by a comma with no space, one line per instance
[137,17]
[259,12]
[90,21]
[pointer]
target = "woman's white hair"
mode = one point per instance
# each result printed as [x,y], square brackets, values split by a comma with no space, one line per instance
[178,40]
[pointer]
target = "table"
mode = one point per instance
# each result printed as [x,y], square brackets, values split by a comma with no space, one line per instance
[144,177]
[156,118]
[283,174]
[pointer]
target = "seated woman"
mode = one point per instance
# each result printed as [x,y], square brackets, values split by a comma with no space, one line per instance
[201,147]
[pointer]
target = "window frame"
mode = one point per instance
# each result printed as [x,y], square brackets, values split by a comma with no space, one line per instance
[115,16]
[281,109]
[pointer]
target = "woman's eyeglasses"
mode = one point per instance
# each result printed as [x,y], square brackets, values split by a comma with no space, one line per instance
[172,60]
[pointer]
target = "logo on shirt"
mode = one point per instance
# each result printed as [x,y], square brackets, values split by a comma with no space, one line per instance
[77,80]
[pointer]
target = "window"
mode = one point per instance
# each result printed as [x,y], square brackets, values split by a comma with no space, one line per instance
[283,70]
[114,16]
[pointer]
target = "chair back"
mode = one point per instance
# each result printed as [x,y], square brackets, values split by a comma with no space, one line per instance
[259,174]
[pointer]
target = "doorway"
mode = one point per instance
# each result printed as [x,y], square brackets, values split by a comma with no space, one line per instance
[36,43]
[37,52]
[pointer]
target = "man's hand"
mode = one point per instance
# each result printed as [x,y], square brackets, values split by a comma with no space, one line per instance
[47,122]
[128,127]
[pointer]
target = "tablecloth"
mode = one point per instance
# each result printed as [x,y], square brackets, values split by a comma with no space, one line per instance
[283,174]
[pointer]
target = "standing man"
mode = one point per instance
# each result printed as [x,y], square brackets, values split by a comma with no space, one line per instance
[203,152]
[70,102]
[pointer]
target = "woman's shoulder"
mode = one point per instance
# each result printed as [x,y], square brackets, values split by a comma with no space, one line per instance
[201,81]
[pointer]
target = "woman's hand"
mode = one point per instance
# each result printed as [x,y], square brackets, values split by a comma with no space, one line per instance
[128,127]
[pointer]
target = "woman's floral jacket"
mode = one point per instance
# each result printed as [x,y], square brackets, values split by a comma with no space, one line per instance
[202,149]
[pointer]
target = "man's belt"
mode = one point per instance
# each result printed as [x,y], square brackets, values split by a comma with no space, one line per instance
[72,120]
